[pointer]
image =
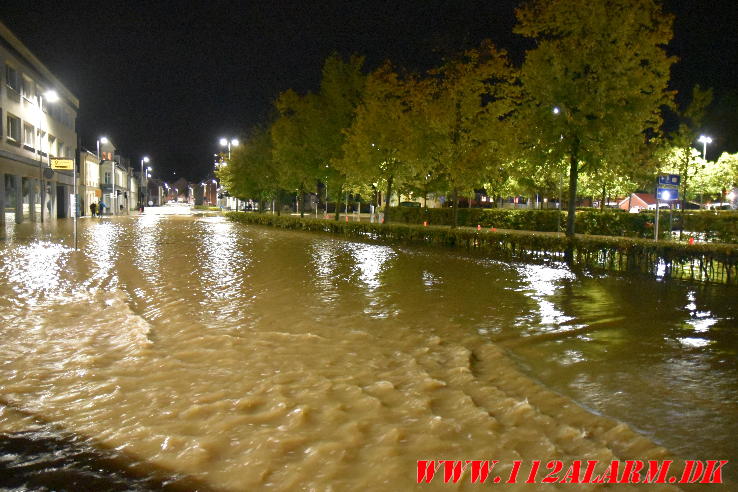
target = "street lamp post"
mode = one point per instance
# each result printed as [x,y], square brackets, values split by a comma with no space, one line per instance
[704,140]
[141,197]
[104,141]
[224,142]
[52,97]
[101,140]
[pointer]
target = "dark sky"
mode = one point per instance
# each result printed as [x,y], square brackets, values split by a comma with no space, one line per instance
[166,79]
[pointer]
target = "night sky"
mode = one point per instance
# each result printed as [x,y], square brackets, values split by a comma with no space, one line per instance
[167,79]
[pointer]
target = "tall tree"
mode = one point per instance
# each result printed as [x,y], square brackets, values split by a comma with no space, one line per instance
[292,150]
[251,171]
[308,136]
[464,108]
[685,137]
[376,149]
[595,82]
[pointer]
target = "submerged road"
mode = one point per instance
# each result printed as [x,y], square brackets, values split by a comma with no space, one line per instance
[185,350]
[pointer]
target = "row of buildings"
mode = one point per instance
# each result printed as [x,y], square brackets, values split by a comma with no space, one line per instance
[37,124]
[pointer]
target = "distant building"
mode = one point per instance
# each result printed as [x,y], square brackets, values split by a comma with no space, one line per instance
[637,202]
[34,126]
[89,180]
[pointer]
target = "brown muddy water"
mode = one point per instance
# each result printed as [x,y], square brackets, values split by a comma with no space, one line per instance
[191,353]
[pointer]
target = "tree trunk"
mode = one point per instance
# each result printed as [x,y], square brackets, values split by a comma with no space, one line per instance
[573,176]
[278,205]
[455,205]
[337,212]
[388,198]
[302,201]
[604,196]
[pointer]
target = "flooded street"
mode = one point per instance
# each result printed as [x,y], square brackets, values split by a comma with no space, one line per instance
[225,357]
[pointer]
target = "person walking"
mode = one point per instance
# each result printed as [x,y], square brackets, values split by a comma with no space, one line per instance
[93,208]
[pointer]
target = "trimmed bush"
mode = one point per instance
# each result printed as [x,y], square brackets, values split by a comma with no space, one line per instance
[593,222]
[704,262]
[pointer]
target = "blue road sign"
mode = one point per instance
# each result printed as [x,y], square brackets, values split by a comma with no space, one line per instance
[667,194]
[669,179]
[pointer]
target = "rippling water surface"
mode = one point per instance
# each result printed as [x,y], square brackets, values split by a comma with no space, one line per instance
[193,353]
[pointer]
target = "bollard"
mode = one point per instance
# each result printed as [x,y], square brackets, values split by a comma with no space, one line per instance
[691,240]
[347,218]
[425,223]
[479,227]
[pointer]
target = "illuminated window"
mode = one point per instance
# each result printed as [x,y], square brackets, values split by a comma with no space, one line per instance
[13,128]
[11,78]
[28,135]
[27,88]
[42,142]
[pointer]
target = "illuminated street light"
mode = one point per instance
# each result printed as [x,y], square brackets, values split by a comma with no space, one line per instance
[142,198]
[556,110]
[224,142]
[704,140]
[101,140]
[51,96]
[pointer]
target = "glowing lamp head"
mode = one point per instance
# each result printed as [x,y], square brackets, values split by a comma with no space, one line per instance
[705,139]
[223,142]
[51,96]
[556,110]
[103,140]
[234,142]
[146,159]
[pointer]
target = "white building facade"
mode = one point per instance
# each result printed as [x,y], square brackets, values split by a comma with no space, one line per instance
[35,126]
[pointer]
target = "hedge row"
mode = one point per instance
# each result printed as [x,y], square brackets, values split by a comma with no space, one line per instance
[707,262]
[593,222]
[713,226]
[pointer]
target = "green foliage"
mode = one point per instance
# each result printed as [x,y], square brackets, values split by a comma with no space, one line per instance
[716,226]
[308,135]
[591,221]
[252,172]
[602,63]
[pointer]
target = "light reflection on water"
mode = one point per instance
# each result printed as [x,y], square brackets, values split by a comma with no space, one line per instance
[33,271]
[214,348]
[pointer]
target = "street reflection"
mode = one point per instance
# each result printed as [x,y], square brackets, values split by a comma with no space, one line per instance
[249,357]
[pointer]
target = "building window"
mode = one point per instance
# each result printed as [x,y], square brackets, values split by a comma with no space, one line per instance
[11,78]
[27,89]
[43,149]
[28,135]
[107,178]
[14,128]
[52,145]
